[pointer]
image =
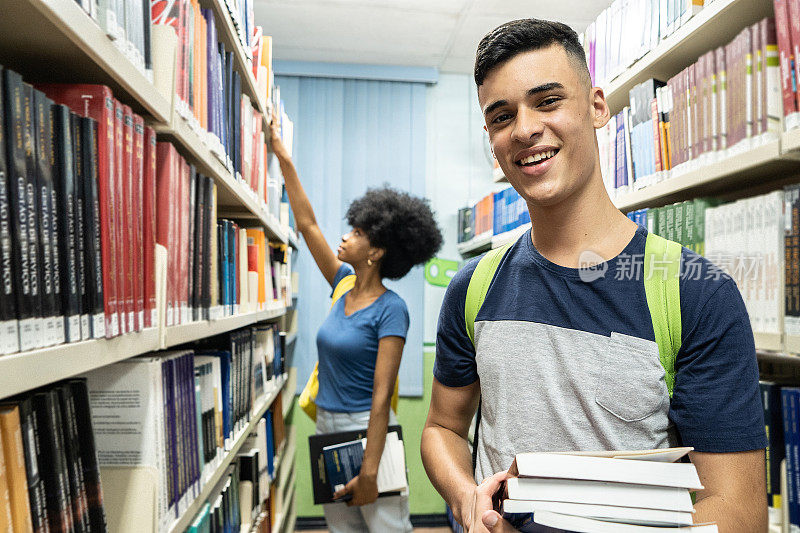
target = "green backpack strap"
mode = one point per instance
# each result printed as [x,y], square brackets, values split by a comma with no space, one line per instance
[662,265]
[479,286]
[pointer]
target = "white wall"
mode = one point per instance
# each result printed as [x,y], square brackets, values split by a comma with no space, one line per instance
[458,171]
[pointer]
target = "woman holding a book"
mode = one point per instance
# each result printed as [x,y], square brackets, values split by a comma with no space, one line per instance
[360,344]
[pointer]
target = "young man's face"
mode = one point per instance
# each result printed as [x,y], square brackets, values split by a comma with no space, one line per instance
[541,117]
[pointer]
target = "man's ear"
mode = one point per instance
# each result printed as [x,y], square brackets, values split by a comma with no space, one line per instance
[600,112]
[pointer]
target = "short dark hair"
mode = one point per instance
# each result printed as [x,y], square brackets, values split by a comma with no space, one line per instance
[402,224]
[518,36]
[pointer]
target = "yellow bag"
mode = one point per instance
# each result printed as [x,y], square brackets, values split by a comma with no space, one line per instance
[309,394]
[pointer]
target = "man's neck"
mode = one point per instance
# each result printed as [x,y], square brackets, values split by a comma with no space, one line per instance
[586,221]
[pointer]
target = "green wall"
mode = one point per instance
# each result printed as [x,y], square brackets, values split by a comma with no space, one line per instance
[412,414]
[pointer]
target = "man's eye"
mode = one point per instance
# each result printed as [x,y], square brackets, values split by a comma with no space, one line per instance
[501,118]
[549,101]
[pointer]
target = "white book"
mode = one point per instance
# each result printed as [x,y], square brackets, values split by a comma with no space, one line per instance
[599,493]
[582,467]
[604,512]
[589,525]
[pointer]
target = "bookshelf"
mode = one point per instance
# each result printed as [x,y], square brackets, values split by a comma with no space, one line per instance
[62,43]
[790,143]
[185,520]
[55,41]
[715,25]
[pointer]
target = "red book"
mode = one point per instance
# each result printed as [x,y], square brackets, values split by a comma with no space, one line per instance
[722,112]
[122,247]
[165,168]
[128,220]
[149,227]
[97,102]
[785,55]
[656,136]
[138,177]
[172,248]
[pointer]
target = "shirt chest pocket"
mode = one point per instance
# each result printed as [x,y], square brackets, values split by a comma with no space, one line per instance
[630,383]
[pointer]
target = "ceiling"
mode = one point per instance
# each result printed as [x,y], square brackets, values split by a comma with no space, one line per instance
[430,33]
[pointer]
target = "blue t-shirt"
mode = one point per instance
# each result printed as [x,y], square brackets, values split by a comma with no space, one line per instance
[347,347]
[568,363]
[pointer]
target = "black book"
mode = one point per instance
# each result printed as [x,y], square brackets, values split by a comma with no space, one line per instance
[9,328]
[80,229]
[190,255]
[229,73]
[197,237]
[74,462]
[13,88]
[44,165]
[93,265]
[147,21]
[54,475]
[31,203]
[88,454]
[208,225]
[65,194]
[33,468]
[55,242]
[320,484]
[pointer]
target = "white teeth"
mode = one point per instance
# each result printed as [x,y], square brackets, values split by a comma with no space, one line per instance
[537,157]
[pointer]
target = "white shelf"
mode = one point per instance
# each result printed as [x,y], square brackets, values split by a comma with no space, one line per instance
[55,40]
[67,360]
[24,371]
[281,518]
[192,331]
[294,239]
[502,239]
[476,244]
[753,167]
[769,341]
[182,523]
[790,143]
[287,457]
[715,25]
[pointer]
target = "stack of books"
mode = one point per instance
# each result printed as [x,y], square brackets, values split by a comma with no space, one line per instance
[635,491]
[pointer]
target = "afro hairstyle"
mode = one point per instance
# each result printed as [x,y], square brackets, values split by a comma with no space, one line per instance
[402,224]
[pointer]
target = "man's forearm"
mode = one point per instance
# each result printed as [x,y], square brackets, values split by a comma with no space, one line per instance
[448,462]
[731,517]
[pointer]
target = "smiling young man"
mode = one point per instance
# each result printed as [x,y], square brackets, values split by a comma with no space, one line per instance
[566,361]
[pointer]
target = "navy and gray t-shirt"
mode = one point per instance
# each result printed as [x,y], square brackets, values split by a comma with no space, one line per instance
[570,362]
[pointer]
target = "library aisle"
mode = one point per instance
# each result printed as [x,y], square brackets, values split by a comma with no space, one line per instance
[167,168]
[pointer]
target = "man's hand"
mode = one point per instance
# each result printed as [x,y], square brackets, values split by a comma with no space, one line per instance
[479,515]
[364,490]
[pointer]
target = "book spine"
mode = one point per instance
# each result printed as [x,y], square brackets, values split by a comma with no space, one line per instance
[32,446]
[91,236]
[65,187]
[137,222]
[794,31]
[149,227]
[128,222]
[118,177]
[9,327]
[200,260]
[13,448]
[57,494]
[74,462]
[190,270]
[163,180]
[50,308]
[88,455]
[80,252]
[757,76]
[32,204]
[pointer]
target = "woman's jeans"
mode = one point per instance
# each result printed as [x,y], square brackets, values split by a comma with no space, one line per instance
[388,514]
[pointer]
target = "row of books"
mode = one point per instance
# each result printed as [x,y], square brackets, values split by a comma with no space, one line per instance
[745,239]
[49,473]
[781,418]
[245,499]
[494,214]
[164,422]
[127,23]
[726,102]
[628,29]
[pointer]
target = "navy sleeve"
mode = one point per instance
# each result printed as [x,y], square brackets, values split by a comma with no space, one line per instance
[344,271]
[716,406]
[393,321]
[455,355]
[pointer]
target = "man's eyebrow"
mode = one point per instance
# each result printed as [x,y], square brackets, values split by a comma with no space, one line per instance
[531,92]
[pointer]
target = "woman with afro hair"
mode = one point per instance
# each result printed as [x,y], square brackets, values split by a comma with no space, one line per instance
[361,341]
